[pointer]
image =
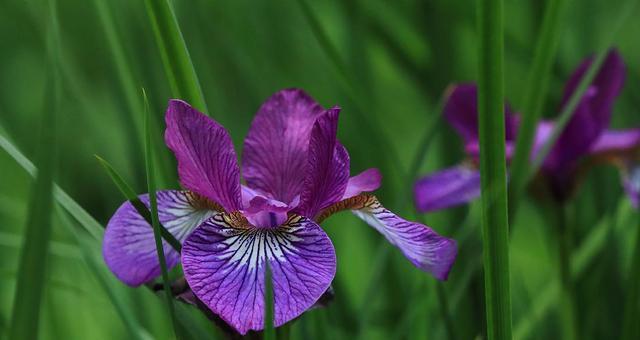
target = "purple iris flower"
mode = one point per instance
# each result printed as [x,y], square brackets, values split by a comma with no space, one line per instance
[586,137]
[296,174]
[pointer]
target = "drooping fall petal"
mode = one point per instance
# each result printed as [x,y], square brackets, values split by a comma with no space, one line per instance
[224,264]
[129,247]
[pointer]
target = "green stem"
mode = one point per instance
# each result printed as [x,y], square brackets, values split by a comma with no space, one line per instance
[537,84]
[443,302]
[495,225]
[630,329]
[565,249]
[153,203]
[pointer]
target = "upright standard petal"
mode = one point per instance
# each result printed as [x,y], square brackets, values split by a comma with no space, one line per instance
[366,181]
[129,248]
[275,154]
[447,188]
[224,263]
[592,115]
[328,167]
[207,162]
[461,111]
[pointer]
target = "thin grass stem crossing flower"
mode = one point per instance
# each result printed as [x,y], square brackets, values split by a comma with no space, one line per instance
[586,140]
[296,174]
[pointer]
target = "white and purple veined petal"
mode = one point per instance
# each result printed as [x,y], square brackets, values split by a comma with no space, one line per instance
[129,247]
[224,263]
[421,245]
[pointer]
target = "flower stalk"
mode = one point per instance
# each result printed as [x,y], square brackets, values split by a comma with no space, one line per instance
[565,249]
[495,226]
[630,328]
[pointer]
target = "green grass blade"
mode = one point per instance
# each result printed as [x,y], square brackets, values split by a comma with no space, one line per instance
[90,249]
[574,100]
[32,267]
[85,219]
[128,83]
[377,134]
[630,327]
[537,84]
[175,55]
[592,246]
[155,222]
[142,209]
[269,330]
[495,225]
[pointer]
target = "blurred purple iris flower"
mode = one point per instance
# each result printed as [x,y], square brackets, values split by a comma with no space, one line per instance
[296,174]
[586,137]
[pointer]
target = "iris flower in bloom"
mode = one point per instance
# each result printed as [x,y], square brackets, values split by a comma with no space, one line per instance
[585,137]
[296,174]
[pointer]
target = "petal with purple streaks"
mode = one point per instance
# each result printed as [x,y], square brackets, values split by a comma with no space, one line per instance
[129,248]
[224,261]
[207,162]
[275,154]
[328,167]
[422,246]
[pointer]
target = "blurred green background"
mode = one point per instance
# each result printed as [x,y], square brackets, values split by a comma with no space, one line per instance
[399,58]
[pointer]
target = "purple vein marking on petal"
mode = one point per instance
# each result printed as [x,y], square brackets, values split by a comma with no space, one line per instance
[224,265]
[275,154]
[129,248]
[207,162]
[328,167]
[422,246]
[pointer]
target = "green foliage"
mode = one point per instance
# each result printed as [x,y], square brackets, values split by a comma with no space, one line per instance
[387,65]
[493,171]
[31,273]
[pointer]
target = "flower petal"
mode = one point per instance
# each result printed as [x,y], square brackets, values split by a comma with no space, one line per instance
[224,259]
[631,183]
[593,113]
[129,248]
[616,141]
[422,246]
[366,181]
[461,111]
[447,188]
[328,167]
[275,154]
[207,162]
